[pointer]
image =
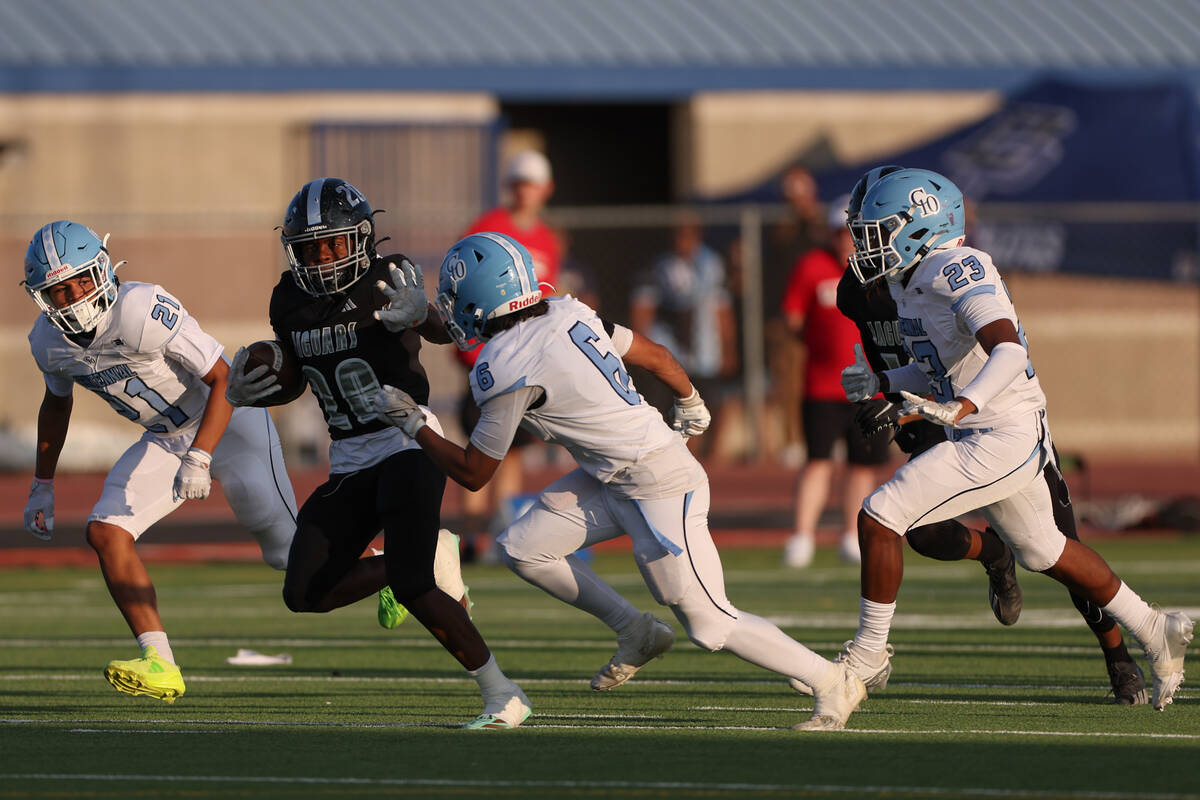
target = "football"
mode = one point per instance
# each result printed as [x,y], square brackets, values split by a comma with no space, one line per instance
[281,362]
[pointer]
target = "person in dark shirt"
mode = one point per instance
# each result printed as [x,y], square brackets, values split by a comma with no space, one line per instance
[353,319]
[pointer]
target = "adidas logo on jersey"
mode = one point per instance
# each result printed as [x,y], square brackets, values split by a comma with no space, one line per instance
[350,306]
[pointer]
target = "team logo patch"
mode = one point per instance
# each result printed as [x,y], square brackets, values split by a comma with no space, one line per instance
[928,203]
[456,269]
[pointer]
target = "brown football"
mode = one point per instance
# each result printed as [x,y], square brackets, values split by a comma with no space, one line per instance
[280,361]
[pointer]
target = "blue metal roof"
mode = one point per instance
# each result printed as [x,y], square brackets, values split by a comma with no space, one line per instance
[587,48]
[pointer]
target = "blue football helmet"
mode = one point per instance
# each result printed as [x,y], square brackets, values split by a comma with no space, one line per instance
[484,276]
[64,250]
[905,216]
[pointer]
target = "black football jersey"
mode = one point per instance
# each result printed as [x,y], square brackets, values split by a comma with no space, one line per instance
[873,310]
[346,354]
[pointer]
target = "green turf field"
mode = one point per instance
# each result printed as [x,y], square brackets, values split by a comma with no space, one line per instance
[973,709]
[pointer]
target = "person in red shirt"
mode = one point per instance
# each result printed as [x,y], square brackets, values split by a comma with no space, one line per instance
[528,185]
[810,310]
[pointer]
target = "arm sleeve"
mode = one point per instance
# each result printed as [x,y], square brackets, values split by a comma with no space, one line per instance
[499,418]
[1006,361]
[193,348]
[908,378]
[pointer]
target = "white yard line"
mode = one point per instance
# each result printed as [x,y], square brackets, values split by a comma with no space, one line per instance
[734,788]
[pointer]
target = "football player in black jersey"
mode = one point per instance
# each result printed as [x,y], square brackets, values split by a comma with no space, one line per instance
[353,320]
[873,310]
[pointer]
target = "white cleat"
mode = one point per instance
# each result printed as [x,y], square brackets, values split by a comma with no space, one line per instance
[799,551]
[649,637]
[502,712]
[834,702]
[1166,657]
[872,669]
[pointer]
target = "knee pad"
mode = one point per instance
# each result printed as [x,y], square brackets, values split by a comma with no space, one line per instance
[708,629]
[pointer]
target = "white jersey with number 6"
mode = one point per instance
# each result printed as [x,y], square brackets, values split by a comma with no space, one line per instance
[591,406]
[145,360]
[949,296]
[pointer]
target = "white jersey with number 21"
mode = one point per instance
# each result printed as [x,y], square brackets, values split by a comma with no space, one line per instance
[145,360]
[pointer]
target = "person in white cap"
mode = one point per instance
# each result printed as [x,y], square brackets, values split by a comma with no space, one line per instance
[810,309]
[528,185]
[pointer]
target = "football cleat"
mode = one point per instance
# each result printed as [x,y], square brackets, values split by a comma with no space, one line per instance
[151,675]
[1004,593]
[834,702]
[390,612]
[649,637]
[1166,653]
[1128,684]
[504,712]
[872,672]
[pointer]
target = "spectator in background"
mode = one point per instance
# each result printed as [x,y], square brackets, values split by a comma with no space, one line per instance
[810,309]
[802,230]
[528,185]
[684,304]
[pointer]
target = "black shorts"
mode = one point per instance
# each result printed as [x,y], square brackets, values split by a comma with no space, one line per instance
[827,421]
[402,495]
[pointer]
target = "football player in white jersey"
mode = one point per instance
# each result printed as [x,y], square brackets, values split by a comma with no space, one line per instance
[135,346]
[968,348]
[554,367]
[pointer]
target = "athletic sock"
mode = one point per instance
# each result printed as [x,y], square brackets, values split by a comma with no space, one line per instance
[874,624]
[158,640]
[490,679]
[992,547]
[760,642]
[1134,614]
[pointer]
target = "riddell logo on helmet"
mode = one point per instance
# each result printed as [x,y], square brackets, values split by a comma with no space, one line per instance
[517,305]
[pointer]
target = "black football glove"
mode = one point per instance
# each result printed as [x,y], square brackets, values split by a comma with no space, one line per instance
[877,417]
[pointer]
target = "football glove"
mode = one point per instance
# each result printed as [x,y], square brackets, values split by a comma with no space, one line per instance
[689,416]
[193,481]
[398,409]
[245,388]
[407,305]
[39,511]
[858,381]
[877,416]
[939,413]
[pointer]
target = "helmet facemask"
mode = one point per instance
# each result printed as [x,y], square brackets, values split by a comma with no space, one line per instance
[351,257]
[874,255]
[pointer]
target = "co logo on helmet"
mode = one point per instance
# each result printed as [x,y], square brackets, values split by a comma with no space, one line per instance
[928,203]
[456,269]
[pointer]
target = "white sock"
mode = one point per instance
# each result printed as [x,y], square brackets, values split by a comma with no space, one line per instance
[157,639]
[874,623]
[758,641]
[1134,614]
[571,580]
[490,679]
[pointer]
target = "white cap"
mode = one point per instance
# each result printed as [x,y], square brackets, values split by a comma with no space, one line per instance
[837,212]
[528,166]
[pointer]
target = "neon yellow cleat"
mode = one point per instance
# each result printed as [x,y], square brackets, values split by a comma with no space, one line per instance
[391,613]
[151,675]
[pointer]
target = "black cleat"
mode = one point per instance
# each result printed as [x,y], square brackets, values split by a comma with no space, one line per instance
[1128,684]
[1004,593]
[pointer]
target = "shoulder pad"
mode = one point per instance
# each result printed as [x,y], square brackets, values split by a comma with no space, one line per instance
[148,316]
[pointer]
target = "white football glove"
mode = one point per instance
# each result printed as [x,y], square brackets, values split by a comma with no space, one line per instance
[407,305]
[398,408]
[245,388]
[689,415]
[858,381]
[193,480]
[938,413]
[39,511]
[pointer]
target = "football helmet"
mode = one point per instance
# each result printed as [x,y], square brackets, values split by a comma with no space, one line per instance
[904,216]
[63,250]
[483,276]
[328,236]
[854,207]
